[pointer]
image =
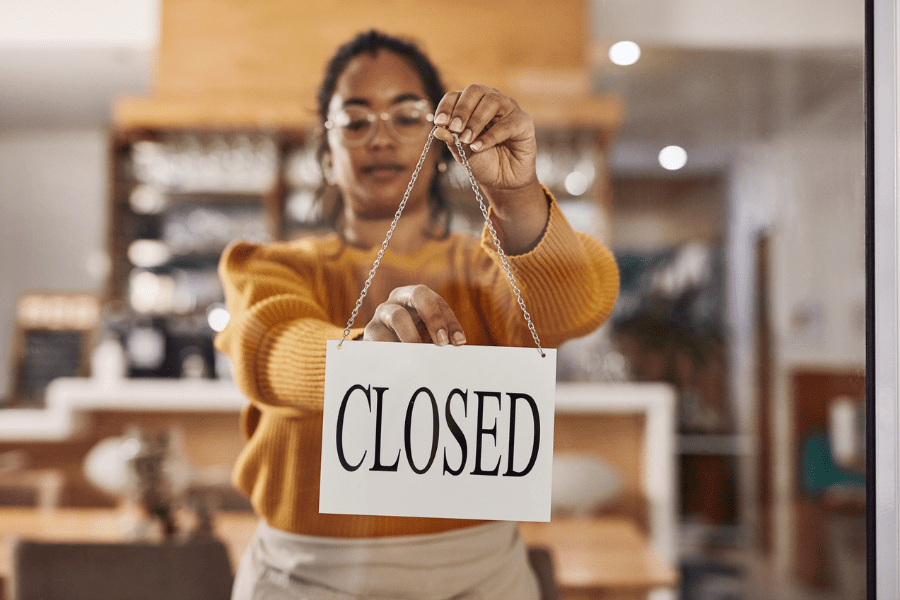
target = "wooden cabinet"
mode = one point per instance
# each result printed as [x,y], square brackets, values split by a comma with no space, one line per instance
[177,198]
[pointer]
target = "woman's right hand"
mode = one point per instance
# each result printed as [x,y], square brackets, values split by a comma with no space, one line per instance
[415,314]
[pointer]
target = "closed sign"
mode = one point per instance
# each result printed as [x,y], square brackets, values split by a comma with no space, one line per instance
[427,431]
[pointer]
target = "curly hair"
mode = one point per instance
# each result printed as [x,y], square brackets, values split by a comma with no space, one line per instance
[371,42]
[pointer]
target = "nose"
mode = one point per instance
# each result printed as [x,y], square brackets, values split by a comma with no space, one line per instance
[381,135]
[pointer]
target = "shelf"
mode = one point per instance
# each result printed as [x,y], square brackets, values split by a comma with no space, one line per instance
[614,397]
[197,194]
[145,395]
[179,197]
[70,400]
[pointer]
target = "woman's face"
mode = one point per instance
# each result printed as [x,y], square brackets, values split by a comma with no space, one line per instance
[374,174]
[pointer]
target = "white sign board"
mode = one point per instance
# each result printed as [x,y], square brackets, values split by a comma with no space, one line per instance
[438,431]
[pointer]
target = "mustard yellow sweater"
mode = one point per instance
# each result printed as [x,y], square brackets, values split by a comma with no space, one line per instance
[287,299]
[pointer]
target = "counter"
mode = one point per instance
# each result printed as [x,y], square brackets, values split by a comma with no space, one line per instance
[631,427]
[71,400]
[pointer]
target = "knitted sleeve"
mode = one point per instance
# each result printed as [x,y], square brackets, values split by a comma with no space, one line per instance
[569,283]
[277,332]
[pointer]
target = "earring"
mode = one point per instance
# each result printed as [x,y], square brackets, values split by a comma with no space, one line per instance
[327,172]
[442,167]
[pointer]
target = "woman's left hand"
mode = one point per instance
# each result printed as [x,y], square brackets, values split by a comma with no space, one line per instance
[500,136]
[502,154]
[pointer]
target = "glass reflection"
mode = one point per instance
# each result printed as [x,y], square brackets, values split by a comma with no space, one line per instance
[743,282]
[744,288]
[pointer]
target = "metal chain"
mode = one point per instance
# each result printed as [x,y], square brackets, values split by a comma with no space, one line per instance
[487,220]
[500,252]
[387,239]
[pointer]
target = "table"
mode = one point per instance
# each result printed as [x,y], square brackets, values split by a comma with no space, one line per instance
[593,557]
[606,557]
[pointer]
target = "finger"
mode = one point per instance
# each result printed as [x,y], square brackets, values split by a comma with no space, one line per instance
[427,306]
[442,119]
[398,320]
[475,114]
[516,126]
[376,331]
[444,108]
[490,109]
[445,136]
[463,104]
[454,331]
[434,312]
[424,334]
[513,128]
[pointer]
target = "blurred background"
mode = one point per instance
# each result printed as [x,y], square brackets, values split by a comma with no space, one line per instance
[716,147]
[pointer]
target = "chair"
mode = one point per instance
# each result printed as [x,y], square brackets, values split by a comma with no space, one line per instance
[196,570]
[192,570]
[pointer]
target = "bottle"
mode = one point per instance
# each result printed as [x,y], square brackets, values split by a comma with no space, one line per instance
[108,363]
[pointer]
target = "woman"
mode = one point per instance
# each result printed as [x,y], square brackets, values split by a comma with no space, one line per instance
[287,299]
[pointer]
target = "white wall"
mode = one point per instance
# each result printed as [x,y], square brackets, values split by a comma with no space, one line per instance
[886,232]
[79,23]
[713,23]
[53,181]
[52,217]
[806,190]
[888,565]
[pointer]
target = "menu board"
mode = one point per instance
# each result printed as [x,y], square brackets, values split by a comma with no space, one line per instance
[45,356]
[53,331]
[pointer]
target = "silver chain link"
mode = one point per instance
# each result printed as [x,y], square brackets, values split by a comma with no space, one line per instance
[387,239]
[500,252]
[487,220]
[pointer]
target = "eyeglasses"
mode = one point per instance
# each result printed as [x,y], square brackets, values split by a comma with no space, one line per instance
[407,121]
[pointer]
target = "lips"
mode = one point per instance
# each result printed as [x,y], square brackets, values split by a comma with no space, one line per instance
[384,170]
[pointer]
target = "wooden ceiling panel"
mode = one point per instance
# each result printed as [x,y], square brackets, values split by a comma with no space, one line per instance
[280,46]
[257,63]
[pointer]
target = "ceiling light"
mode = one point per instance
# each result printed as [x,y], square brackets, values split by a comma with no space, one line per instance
[217,316]
[577,183]
[624,53]
[672,157]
